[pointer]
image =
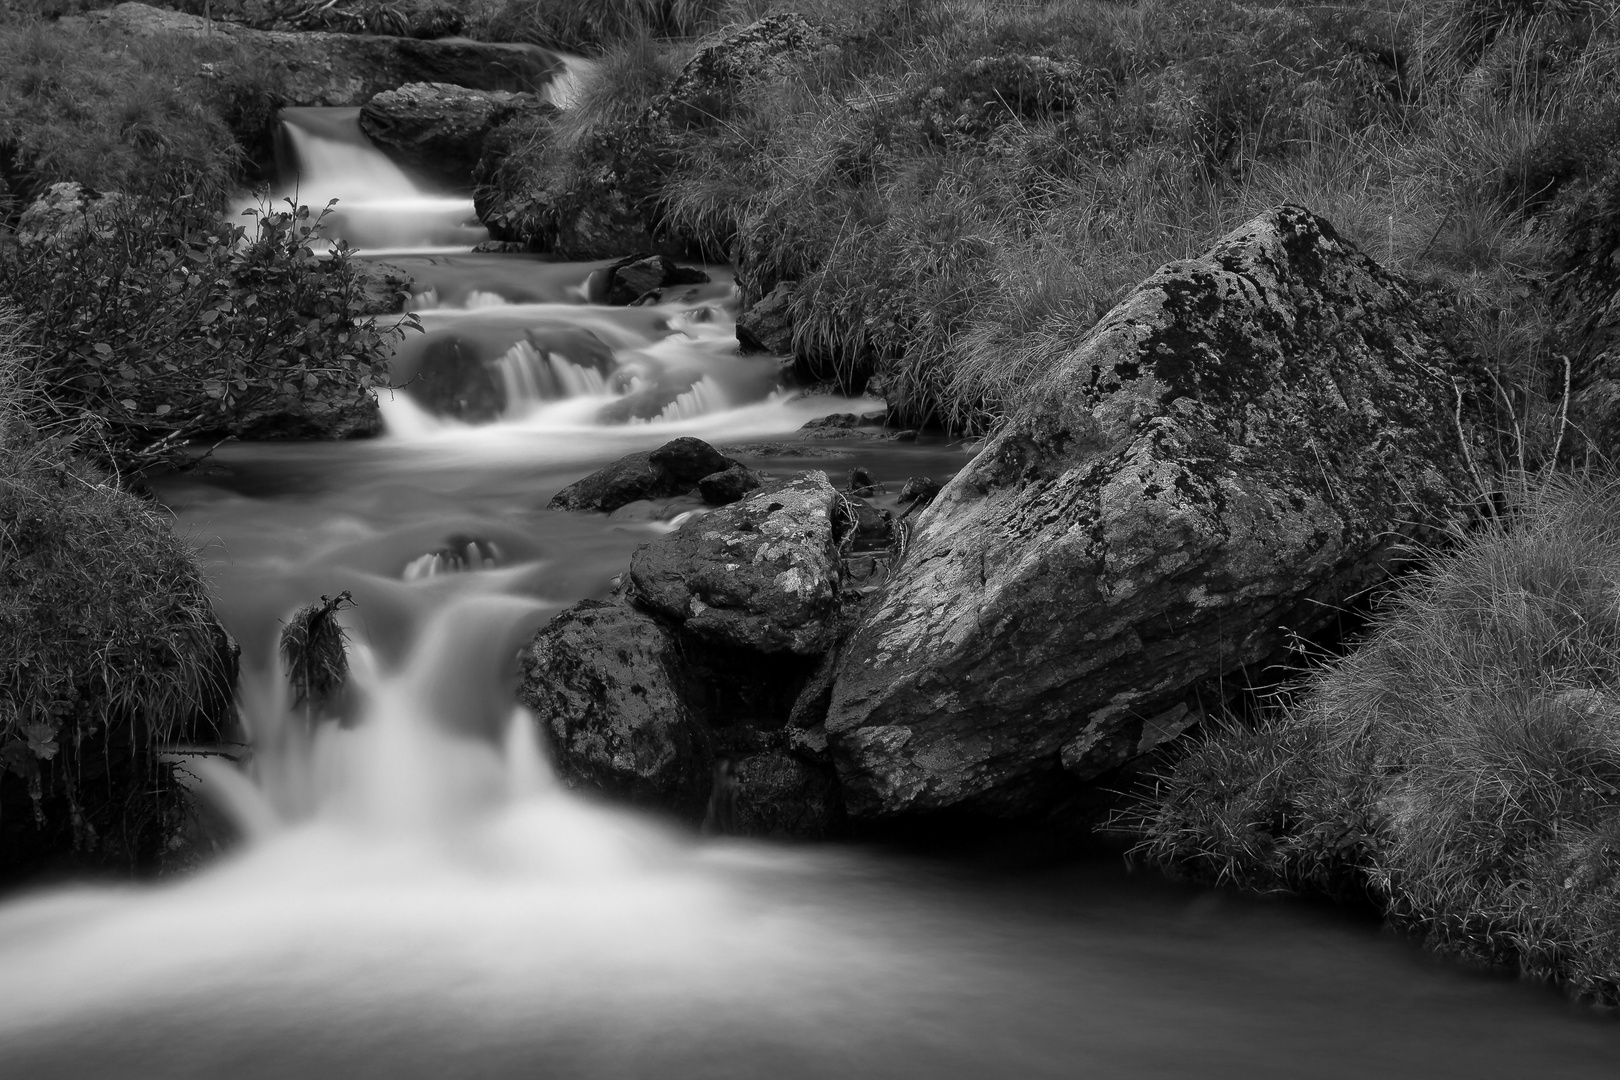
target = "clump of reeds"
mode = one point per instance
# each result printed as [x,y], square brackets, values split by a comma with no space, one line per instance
[314,651]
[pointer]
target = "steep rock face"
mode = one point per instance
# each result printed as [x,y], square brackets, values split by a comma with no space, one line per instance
[760,574]
[1232,452]
[438,129]
[607,682]
[346,69]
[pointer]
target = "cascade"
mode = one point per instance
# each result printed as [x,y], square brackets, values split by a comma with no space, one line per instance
[418,895]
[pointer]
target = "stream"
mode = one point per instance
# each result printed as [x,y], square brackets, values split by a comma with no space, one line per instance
[418,896]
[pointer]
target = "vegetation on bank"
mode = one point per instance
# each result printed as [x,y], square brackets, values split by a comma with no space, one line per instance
[111,647]
[1460,769]
[164,324]
[959,188]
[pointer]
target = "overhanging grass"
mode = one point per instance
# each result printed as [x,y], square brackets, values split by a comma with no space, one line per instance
[1461,769]
[112,651]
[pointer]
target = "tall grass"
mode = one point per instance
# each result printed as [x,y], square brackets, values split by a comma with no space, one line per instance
[960,187]
[1461,769]
[112,651]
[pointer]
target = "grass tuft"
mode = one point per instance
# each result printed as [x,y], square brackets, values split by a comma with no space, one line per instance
[1461,769]
[113,653]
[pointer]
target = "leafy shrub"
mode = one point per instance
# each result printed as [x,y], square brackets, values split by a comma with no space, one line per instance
[1462,768]
[168,324]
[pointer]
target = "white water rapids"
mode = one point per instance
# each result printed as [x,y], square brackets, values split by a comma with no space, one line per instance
[418,897]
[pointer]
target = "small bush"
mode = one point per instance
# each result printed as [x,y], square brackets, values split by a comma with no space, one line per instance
[1462,768]
[168,324]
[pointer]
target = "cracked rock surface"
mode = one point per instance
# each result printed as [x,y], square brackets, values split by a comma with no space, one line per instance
[761,573]
[1227,457]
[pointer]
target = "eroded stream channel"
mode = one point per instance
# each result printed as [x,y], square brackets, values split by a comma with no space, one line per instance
[419,898]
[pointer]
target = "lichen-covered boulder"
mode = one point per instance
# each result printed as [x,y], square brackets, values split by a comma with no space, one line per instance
[705,91]
[1227,457]
[673,469]
[760,574]
[438,129]
[66,211]
[606,683]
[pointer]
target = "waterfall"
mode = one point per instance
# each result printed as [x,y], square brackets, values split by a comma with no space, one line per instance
[380,208]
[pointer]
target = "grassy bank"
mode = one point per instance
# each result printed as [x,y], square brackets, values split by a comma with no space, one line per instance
[958,189]
[112,650]
[1460,770]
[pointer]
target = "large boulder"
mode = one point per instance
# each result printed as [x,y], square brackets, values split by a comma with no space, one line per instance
[608,685]
[673,469]
[438,129]
[339,69]
[761,574]
[1229,456]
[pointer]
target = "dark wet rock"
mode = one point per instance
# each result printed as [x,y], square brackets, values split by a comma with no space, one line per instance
[339,69]
[729,485]
[500,247]
[328,412]
[1230,455]
[760,574]
[862,526]
[860,482]
[607,684]
[767,325]
[918,489]
[775,795]
[452,380]
[672,469]
[845,421]
[631,280]
[438,129]
[773,450]
[850,426]
[385,289]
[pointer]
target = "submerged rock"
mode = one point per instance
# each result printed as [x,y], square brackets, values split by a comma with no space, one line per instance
[1232,453]
[673,469]
[438,129]
[760,574]
[767,324]
[726,487]
[634,278]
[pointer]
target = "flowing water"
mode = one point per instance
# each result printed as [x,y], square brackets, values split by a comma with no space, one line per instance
[417,896]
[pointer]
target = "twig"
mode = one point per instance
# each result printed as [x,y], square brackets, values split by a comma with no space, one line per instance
[1563,417]
[1462,441]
